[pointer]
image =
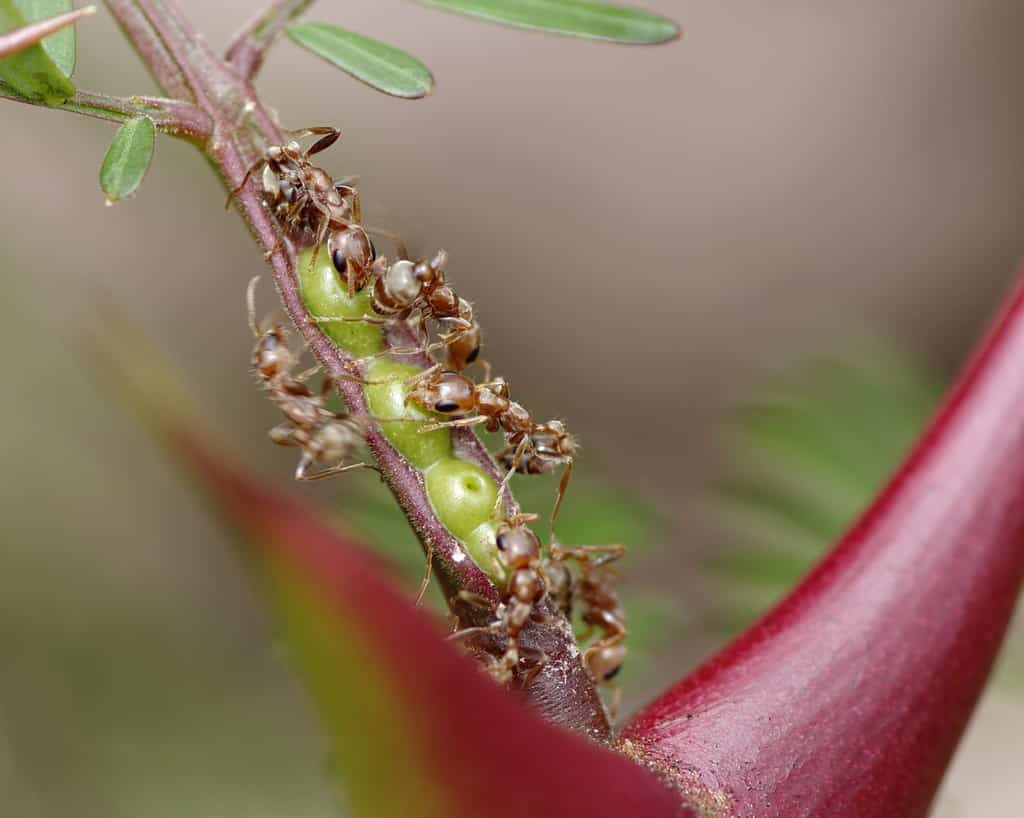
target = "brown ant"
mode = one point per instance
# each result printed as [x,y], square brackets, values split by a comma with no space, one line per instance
[325,437]
[602,608]
[530,448]
[406,287]
[519,559]
[306,199]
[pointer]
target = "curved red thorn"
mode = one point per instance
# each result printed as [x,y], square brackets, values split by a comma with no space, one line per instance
[849,698]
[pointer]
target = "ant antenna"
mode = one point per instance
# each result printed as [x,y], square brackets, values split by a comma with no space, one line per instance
[250,302]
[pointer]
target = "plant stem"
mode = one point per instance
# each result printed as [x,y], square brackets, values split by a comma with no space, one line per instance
[182,119]
[249,46]
[151,48]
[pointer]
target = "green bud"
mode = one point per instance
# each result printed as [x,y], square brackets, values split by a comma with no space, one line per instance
[463,495]
[325,296]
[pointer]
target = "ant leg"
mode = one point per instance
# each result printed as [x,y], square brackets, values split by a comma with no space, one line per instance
[357,207]
[250,304]
[582,553]
[426,373]
[616,702]
[540,659]
[319,238]
[488,371]
[301,472]
[520,451]
[563,484]
[284,434]
[459,423]
[277,246]
[330,319]
[476,600]
[426,575]
[309,373]
[245,180]
[394,238]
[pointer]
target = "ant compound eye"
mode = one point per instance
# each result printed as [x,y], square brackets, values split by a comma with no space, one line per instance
[473,355]
[502,541]
[340,262]
[446,406]
[373,249]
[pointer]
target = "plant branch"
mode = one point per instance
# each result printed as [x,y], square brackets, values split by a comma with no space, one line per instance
[169,115]
[151,48]
[189,50]
[215,105]
[562,691]
[11,42]
[247,49]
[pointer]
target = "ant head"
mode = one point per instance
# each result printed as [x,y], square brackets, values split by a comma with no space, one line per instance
[351,253]
[271,355]
[518,545]
[431,272]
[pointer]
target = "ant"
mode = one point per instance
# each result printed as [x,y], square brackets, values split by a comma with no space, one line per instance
[602,608]
[404,287]
[306,199]
[530,448]
[519,558]
[325,437]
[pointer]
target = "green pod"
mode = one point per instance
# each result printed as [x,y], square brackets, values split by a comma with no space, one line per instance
[463,495]
[387,401]
[480,543]
[325,296]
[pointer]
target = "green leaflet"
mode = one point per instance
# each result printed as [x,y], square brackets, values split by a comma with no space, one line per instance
[40,72]
[378,64]
[127,158]
[574,18]
[59,47]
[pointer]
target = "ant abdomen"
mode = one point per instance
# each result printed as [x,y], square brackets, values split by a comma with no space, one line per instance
[464,348]
[604,663]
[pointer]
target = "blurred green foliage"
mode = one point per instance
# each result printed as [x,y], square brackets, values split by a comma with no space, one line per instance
[805,454]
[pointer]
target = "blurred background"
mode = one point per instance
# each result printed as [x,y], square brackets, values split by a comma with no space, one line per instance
[743,266]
